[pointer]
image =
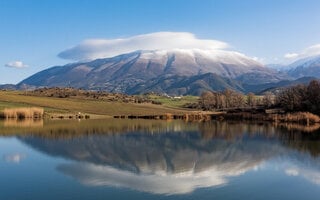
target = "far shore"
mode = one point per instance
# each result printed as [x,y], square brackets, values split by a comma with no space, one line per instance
[303,118]
[15,104]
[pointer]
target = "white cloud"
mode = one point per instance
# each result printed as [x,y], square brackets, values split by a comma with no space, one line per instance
[16,64]
[308,52]
[313,50]
[102,48]
[291,55]
[261,60]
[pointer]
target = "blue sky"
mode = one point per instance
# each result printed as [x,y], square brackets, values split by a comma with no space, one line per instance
[34,32]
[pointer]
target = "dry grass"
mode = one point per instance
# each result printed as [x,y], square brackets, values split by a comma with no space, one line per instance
[299,117]
[22,113]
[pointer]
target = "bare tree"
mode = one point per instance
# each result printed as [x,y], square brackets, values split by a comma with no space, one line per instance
[228,98]
[301,98]
[251,100]
[207,100]
[238,100]
[268,99]
[313,96]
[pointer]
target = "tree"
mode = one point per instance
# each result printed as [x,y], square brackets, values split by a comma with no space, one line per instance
[301,98]
[221,100]
[228,95]
[251,100]
[238,100]
[207,100]
[313,96]
[233,99]
[268,99]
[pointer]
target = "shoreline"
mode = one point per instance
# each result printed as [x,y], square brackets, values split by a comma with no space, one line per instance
[304,118]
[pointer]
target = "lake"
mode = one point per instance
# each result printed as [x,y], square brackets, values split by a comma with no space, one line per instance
[147,159]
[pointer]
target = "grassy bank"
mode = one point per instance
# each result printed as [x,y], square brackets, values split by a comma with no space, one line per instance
[54,105]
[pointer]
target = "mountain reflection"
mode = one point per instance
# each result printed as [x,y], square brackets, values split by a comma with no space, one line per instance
[178,159]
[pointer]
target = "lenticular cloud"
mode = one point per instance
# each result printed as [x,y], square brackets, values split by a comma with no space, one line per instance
[308,52]
[102,48]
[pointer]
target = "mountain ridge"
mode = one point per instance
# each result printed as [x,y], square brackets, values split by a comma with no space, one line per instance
[305,67]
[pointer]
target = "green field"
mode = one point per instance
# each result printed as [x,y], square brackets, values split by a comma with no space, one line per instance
[174,102]
[11,99]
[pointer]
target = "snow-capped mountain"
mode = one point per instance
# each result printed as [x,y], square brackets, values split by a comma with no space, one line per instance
[305,67]
[124,72]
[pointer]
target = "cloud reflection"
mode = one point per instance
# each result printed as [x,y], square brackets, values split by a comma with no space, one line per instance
[311,174]
[157,183]
[14,158]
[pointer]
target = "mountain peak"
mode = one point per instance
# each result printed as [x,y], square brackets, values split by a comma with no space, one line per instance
[222,56]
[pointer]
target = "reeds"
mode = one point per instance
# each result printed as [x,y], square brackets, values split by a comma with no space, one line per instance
[28,122]
[299,117]
[305,118]
[22,113]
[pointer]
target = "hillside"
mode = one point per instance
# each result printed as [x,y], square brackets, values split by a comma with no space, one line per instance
[180,85]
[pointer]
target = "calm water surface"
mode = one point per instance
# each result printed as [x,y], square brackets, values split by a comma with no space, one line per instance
[138,159]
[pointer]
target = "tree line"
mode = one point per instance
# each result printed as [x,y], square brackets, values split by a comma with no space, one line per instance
[300,98]
[231,99]
[294,98]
